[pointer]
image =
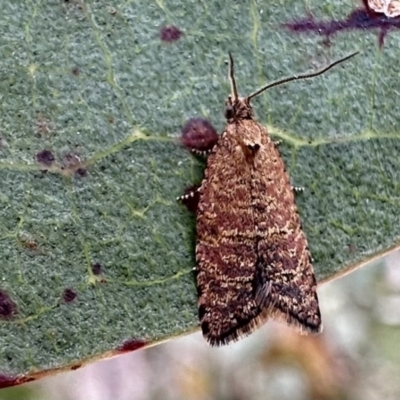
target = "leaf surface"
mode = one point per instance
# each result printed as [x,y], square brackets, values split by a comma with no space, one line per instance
[95,250]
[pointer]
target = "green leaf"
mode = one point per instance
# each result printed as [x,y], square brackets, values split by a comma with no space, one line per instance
[97,88]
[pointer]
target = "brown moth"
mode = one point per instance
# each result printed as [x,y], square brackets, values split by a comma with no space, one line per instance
[253,261]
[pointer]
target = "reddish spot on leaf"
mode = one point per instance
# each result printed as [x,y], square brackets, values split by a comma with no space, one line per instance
[81,172]
[28,242]
[170,33]
[7,306]
[358,19]
[71,160]
[69,295]
[199,135]
[131,345]
[45,157]
[75,71]
[97,268]
[75,367]
[7,381]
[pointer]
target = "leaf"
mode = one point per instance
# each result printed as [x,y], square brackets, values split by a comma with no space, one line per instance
[96,254]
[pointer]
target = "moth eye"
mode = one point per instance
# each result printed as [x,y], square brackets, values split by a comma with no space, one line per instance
[229,112]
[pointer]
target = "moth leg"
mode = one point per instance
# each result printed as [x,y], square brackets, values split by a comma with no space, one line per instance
[277,142]
[203,153]
[298,189]
[190,198]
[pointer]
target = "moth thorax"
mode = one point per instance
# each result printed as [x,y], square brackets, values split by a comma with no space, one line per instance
[238,109]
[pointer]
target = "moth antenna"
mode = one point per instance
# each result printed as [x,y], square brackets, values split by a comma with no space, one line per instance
[302,76]
[234,92]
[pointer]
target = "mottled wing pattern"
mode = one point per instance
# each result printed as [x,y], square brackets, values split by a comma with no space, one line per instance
[284,263]
[225,251]
[252,257]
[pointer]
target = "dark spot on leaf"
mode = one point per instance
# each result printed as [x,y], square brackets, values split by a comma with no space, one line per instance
[7,381]
[358,19]
[97,268]
[170,33]
[28,242]
[75,71]
[71,160]
[69,295]
[131,345]
[7,306]
[81,172]
[73,163]
[75,367]
[198,134]
[45,157]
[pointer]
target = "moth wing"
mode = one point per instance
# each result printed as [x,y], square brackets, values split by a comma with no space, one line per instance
[289,294]
[226,247]
[252,257]
[285,283]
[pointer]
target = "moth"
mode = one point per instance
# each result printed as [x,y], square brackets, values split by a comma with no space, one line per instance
[391,8]
[252,256]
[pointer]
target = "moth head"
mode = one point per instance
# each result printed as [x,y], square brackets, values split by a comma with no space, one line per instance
[239,107]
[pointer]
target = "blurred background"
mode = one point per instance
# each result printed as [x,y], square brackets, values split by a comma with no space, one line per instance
[356,357]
